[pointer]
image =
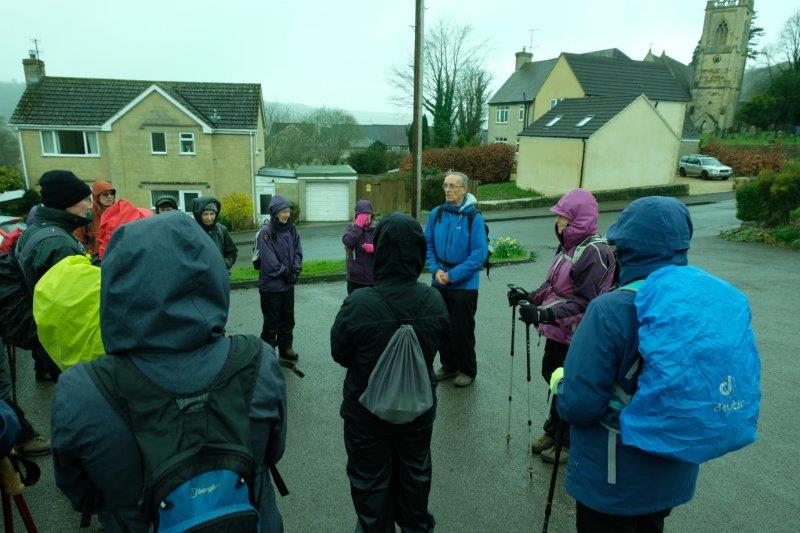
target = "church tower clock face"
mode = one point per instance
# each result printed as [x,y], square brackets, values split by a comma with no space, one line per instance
[719,63]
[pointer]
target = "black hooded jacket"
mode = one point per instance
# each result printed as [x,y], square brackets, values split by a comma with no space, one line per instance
[217,231]
[366,321]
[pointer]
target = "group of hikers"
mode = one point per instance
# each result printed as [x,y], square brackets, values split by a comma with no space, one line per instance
[195,421]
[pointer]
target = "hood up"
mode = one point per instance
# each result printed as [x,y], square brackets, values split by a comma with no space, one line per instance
[363,206]
[199,206]
[649,234]
[580,207]
[277,204]
[164,200]
[98,188]
[399,249]
[183,308]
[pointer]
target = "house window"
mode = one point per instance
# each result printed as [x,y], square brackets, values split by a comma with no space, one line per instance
[584,121]
[187,143]
[263,203]
[184,198]
[502,115]
[158,142]
[500,140]
[553,102]
[70,142]
[521,113]
[721,33]
[553,121]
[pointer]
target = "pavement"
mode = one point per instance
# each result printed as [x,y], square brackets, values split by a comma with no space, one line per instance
[479,484]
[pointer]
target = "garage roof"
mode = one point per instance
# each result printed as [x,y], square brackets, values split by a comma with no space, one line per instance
[563,120]
[327,171]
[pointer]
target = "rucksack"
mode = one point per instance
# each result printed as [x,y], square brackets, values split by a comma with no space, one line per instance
[199,473]
[470,217]
[17,326]
[697,390]
[267,235]
[399,388]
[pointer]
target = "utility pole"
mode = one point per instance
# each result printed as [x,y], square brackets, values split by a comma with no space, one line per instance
[417,123]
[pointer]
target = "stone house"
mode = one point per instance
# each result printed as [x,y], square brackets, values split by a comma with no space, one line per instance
[147,138]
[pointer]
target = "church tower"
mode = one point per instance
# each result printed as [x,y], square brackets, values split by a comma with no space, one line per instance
[719,62]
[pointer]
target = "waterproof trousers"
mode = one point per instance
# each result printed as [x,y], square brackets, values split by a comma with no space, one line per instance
[457,353]
[555,353]
[390,476]
[278,310]
[590,521]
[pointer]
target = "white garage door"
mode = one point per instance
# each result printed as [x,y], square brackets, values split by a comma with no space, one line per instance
[327,202]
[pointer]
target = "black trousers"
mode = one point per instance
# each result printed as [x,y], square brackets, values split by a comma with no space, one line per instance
[278,310]
[352,285]
[555,353]
[390,477]
[457,353]
[42,361]
[590,521]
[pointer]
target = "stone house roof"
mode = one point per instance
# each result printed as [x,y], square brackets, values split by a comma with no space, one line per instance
[573,111]
[61,101]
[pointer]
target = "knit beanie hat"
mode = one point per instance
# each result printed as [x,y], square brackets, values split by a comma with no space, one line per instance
[62,188]
[211,206]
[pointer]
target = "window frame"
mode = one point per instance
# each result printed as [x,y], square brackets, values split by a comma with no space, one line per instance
[553,121]
[554,102]
[521,113]
[500,140]
[501,110]
[56,143]
[152,148]
[584,121]
[181,200]
[181,140]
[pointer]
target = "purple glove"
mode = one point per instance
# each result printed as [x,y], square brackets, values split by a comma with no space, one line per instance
[368,247]
[362,219]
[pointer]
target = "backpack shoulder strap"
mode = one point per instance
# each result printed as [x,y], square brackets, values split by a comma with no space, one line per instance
[101,371]
[37,236]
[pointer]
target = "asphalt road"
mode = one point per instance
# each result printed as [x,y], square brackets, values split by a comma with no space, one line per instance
[478,483]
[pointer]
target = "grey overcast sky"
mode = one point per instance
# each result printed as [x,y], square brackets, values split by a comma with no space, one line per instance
[321,52]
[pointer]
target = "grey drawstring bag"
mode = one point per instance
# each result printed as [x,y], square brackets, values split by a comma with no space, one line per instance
[399,388]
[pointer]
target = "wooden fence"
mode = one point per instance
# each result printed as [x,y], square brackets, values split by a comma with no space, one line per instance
[388,195]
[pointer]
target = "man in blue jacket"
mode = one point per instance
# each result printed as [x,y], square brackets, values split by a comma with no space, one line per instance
[631,490]
[457,251]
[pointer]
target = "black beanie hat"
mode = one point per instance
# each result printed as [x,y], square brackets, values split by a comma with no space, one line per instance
[62,188]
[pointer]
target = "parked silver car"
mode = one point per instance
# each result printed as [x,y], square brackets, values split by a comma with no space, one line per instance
[705,166]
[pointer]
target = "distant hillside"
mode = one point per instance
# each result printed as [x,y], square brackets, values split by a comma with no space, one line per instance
[10,93]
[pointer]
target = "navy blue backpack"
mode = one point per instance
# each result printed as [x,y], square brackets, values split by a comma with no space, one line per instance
[199,472]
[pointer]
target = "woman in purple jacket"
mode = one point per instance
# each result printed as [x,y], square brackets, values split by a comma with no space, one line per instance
[582,269]
[359,247]
[281,262]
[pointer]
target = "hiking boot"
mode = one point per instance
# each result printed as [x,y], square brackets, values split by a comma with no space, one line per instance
[549,455]
[288,355]
[545,442]
[443,374]
[34,446]
[463,380]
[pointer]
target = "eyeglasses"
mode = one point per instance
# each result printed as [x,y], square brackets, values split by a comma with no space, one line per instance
[448,186]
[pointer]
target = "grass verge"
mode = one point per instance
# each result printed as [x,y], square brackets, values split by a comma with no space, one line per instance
[783,236]
[328,267]
[503,191]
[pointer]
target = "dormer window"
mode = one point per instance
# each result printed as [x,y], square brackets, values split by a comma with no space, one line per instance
[553,121]
[584,121]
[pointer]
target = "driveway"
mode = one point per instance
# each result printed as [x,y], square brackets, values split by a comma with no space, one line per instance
[701,186]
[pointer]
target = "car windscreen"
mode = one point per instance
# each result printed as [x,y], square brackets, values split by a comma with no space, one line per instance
[709,161]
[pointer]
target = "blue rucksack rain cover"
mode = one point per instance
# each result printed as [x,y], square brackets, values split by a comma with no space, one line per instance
[698,393]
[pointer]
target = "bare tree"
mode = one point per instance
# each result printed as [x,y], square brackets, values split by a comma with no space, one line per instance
[789,41]
[334,132]
[451,54]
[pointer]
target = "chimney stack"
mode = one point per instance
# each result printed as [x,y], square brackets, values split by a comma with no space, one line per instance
[34,69]
[523,58]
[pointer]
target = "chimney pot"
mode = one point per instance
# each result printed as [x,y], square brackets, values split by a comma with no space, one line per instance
[523,58]
[34,69]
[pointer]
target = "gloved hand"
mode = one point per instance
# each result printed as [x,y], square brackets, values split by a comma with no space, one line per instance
[555,378]
[362,220]
[291,275]
[368,247]
[516,295]
[531,314]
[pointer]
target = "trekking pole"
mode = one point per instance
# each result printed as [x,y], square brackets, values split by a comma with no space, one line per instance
[528,359]
[511,378]
[548,507]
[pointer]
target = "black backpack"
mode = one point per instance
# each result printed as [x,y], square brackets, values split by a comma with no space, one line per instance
[198,469]
[17,326]
[470,217]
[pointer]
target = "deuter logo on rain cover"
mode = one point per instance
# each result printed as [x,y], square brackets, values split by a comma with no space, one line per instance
[726,388]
